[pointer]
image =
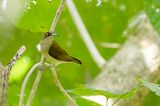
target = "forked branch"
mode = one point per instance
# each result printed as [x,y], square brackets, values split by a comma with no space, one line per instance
[41,64]
[5,75]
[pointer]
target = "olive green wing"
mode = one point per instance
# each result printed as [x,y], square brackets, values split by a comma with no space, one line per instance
[60,54]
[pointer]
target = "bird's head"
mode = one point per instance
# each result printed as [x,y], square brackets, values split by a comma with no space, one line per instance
[48,35]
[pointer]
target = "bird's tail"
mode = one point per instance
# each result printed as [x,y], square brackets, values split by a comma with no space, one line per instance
[76,60]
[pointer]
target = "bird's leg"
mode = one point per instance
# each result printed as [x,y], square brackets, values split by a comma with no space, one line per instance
[42,67]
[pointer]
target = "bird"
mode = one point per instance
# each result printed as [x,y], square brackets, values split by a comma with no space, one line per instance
[53,52]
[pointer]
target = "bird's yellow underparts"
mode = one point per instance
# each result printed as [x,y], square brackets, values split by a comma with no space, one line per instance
[53,52]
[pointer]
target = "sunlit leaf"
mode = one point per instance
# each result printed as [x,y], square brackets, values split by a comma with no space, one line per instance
[20,69]
[151,86]
[86,102]
[34,15]
[82,90]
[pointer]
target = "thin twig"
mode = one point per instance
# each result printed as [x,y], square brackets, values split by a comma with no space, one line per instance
[36,82]
[56,18]
[54,74]
[5,75]
[34,88]
[118,99]
[99,60]
[58,84]
[16,57]
[25,83]
[39,74]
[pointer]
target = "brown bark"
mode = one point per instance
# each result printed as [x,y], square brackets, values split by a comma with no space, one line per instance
[4,76]
[1,69]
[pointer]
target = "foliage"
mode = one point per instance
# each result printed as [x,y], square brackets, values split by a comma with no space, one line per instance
[151,86]
[23,21]
[85,102]
[82,90]
[152,8]
[34,15]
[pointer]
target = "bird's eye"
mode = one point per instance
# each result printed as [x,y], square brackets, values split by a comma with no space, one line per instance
[46,34]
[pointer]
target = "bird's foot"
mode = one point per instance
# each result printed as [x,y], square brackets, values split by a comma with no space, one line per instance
[42,67]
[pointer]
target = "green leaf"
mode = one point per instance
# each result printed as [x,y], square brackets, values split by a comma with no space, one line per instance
[82,90]
[151,86]
[86,102]
[33,15]
[152,8]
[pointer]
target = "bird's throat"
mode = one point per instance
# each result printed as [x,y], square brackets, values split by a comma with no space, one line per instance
[46,44]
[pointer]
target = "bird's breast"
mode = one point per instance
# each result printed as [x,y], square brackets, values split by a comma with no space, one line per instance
[45,46]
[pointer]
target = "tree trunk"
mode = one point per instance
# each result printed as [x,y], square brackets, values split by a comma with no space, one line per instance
[139,56]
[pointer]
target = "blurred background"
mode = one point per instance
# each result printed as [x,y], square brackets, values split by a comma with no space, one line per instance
[24,23]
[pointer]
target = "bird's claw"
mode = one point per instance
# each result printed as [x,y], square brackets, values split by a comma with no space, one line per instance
[41,68]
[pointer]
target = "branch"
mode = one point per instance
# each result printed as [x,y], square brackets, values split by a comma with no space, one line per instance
[56,18]
[16,57]
[38,77]
[58,84]
[5,75]
[139,56]
[36,82]
[99,60]
[34,88]
[25,83]
[1,70]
